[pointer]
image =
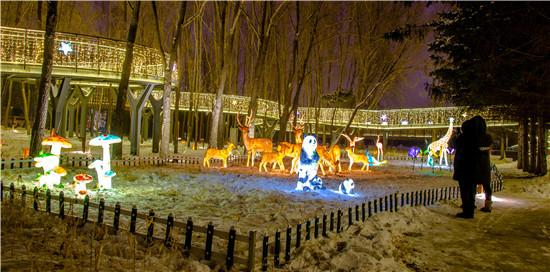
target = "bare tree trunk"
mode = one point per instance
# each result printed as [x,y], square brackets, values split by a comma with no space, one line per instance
[521,148]
[45,80]
[226,55]
[118,118]
[533,145]
[165,138]
[525,144]
[541,139]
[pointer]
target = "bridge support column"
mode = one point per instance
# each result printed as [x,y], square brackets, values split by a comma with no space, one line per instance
[59,96]
[84,98]
[145,125]
[136,107]
[156,106]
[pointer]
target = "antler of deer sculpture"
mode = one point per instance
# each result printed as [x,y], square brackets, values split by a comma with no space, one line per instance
[352,142]
[362,158]
[293,150]
[253,145]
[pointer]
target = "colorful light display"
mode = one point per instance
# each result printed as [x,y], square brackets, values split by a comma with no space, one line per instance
[66,48]
[103,167]
[80,182]
[439,147]
[308,165]
[52,172]
[346,187]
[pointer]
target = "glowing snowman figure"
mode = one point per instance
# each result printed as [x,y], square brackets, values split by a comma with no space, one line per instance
[346,187]
[308,165]
[103,167]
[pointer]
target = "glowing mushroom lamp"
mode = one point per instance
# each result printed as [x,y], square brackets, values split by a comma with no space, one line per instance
[80,182]
[103,177]
[104,141]
[56,142]
[52,173]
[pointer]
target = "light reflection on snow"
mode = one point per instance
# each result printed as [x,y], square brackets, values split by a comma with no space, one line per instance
[340,193]
[497,199]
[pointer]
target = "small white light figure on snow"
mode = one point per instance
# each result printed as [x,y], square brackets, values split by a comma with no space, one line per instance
[80,182]
[66,48]
[103,167]
[346,187]
[308,165]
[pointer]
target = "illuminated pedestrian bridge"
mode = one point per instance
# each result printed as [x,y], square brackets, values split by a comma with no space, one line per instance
[93,62]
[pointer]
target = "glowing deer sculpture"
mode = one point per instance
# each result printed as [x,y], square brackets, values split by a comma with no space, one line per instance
[351,153]
[380,149]
[275,158]
[441,146]
[293,150]
[253,145]
[214,153]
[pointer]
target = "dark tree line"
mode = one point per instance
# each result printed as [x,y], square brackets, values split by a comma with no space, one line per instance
[495,54]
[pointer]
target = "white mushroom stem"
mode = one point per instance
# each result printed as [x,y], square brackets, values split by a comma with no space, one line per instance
[56,149]
[106,158]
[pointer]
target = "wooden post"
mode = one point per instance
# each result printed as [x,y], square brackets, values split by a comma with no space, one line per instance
[35,198]
[433,196]
[338,220]
[133,219]
[169,225]
[101,211]
[61,205]
[265,250]
[85,208]
[331,222]
[298,235]
[424,198]
[2,187]
[230,246]
[370,209]
[209,240]
[308,230]
[251,250]
[385,204]
[287,243]
[150,227]
[421,198]
[402,199]
[416,198]
[48,201]
[23,194]
[277,249]
[376,206]
[12,191]
[116,220]
[356,212]
[391,203]
[188,237]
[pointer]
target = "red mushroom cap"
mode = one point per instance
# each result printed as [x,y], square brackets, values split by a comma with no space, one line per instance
[83,178]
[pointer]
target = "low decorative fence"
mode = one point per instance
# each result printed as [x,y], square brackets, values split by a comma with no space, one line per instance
[84,161]
[42,202]
[274,253]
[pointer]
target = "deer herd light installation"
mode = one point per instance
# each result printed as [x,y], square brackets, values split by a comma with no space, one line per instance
[306,155]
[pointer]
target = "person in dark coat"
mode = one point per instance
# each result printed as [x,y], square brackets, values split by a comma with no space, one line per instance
[464,168]
[482,159]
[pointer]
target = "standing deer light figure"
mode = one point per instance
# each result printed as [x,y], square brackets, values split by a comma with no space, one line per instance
[380,149]
[214,153]
[253,145]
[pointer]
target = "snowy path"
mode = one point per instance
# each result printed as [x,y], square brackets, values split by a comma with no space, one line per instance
[514,237]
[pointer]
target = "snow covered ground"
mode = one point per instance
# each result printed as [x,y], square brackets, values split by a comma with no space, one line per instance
[515,237]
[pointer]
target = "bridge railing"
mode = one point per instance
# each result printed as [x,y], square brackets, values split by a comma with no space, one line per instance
[89,54]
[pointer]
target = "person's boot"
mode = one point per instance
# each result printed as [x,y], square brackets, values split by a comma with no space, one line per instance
[488,206]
